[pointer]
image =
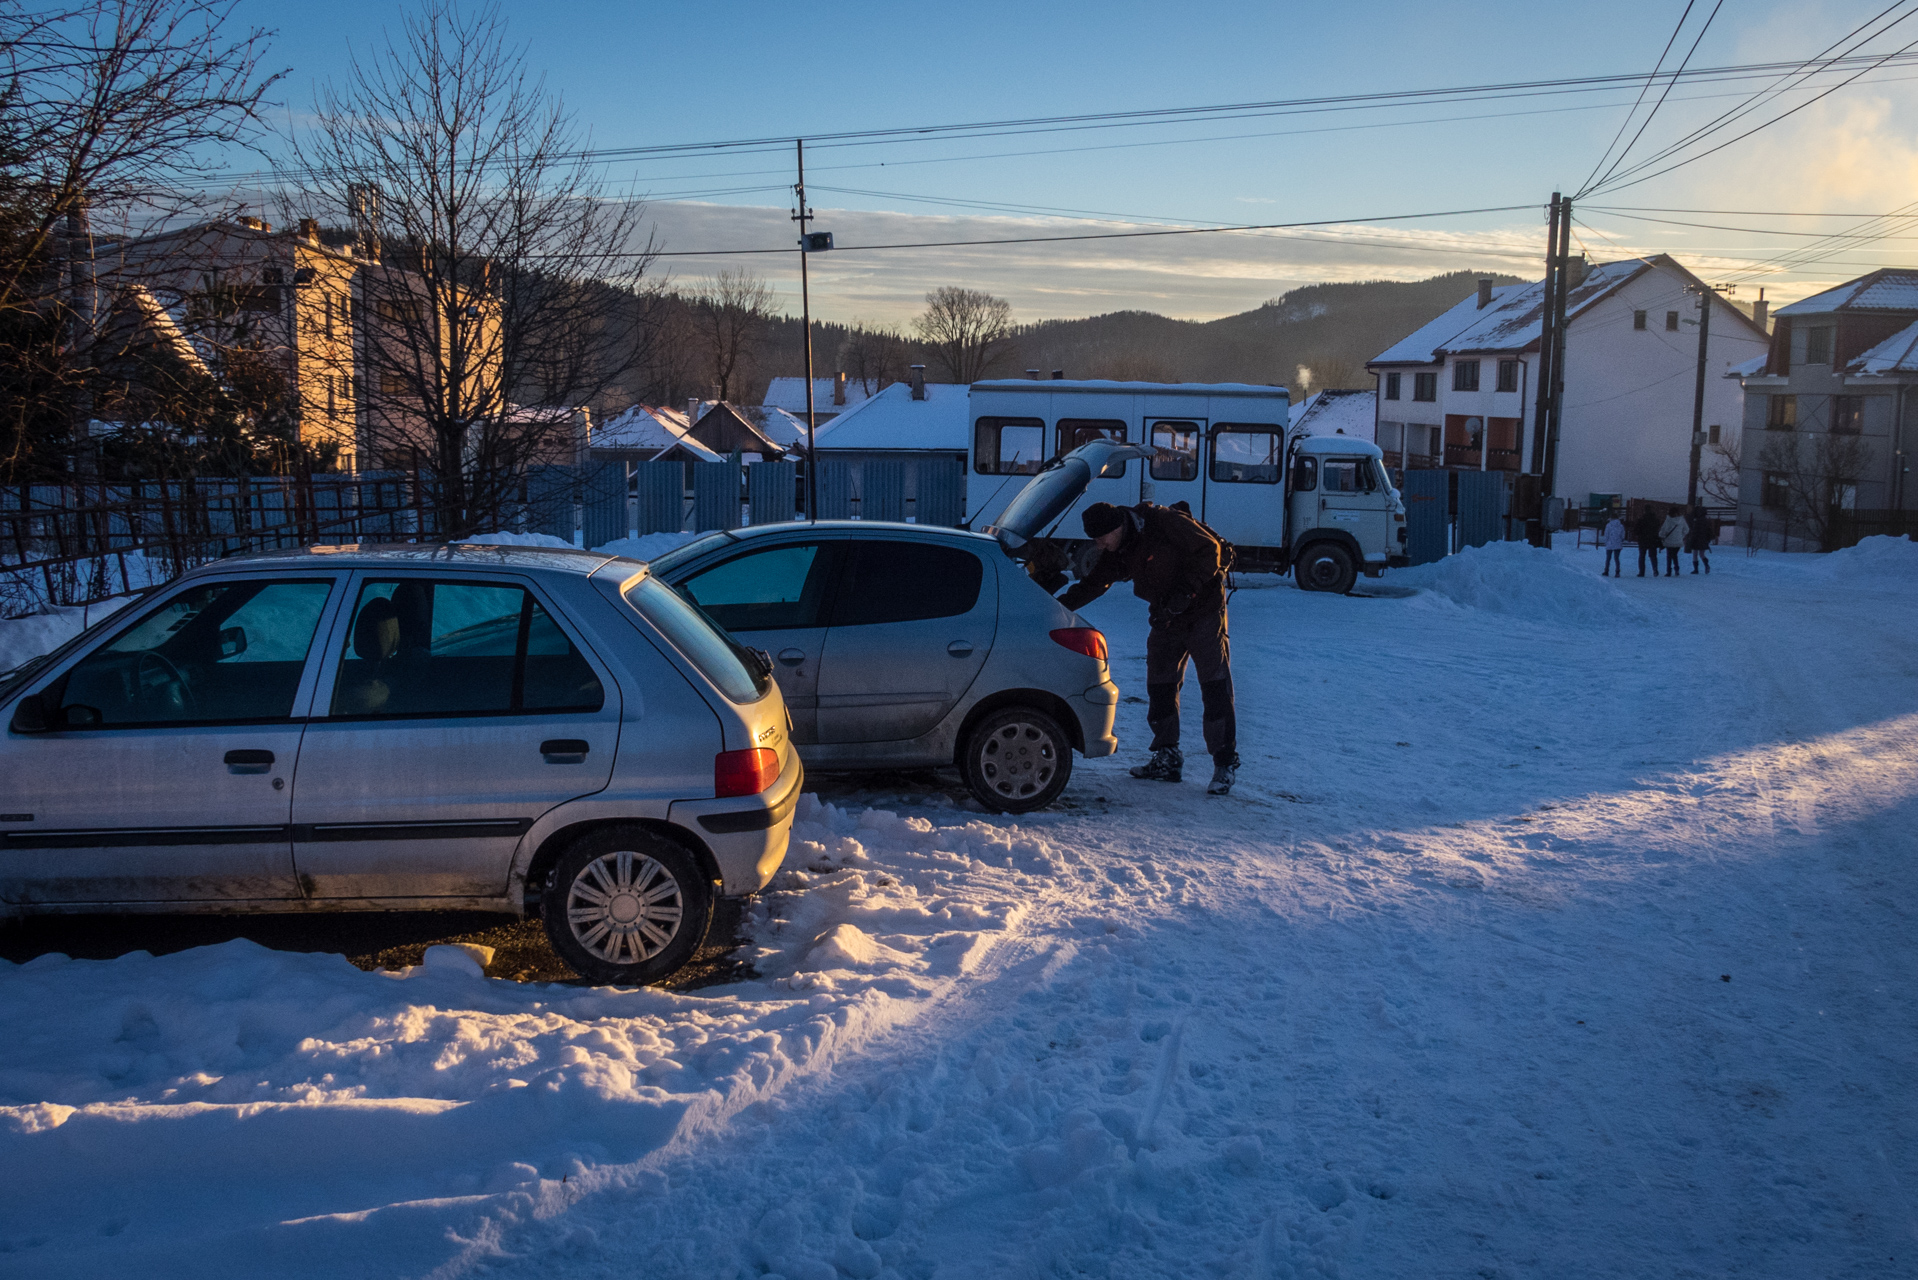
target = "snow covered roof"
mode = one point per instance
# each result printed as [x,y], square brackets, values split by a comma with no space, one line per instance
[892,419]
[1892,289]
[782,428]
[790,394]
[1511,321]
[1749,368]
[1896,354]
[1108,384]
[1337,411]
[637,427]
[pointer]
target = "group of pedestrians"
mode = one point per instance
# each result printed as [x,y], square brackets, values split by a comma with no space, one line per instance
[1677,530]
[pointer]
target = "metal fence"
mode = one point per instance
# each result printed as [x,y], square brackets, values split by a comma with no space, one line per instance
[82,541]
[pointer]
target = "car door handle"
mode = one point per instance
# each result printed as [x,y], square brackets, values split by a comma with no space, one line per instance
[565,750]
[249,761]
[960,648]
[792,657]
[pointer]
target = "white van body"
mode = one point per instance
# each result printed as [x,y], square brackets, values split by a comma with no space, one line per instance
[1222,448]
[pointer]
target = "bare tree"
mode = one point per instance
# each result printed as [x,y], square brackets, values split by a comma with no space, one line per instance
[495,257]
[967,331]
[1816,476]
[1718,480]
[116,110]
[874,356]
[729,314]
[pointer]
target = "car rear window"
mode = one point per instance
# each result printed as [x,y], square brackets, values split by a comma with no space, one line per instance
[716,654]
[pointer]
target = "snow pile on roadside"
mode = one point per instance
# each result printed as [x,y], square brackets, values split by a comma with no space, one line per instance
[1881,558]
[518,540]
[394,1119]
[648,545]
[24,638]
[1529,582]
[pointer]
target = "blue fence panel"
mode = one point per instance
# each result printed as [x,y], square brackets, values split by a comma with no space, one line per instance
[882,489]
[602,514]
[715,496]
[549,501]
[771,491]
[941,497]
[1481,498]
[1427,496]
[835,489]
[660,489]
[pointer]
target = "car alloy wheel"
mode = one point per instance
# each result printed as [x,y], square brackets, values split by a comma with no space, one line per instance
[1018,760]
[625,905]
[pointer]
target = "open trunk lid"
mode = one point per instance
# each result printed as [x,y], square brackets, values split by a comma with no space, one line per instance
[1059,484]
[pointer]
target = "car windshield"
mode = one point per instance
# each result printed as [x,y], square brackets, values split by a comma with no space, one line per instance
[735,670]
[664,565]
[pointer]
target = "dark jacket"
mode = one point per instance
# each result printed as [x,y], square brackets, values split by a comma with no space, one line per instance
[1171,560]
[1704,530]
[1645,531]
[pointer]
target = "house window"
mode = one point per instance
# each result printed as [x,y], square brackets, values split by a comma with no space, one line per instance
[1425,386]
[1777,495]
[1391,386]
[326,309]
[1465,375]
[1638,319]
[1781,413]
[1508,375]
[399,310]
[332,406]
[1671,322]
[393,384]
[1848,414]
[1818,345]
[1711,434]
[1008,446]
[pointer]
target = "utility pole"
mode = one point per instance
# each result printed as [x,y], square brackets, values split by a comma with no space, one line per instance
[1551,360]
[1562,274]
[1542,408]
[809,243]
[1698,391]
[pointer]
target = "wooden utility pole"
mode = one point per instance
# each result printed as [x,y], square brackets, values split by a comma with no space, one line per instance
[802,215]
[1698,392]
[1542,408]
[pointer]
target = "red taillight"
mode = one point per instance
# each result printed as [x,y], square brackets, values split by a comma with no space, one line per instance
[744,773]
[1086,640]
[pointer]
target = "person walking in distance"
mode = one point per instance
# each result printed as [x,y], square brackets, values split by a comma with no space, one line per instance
[1614,548]
[1177,566]
[1673,534]
[1704,533]
[1645,533]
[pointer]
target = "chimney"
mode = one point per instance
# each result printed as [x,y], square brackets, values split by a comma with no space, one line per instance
[252,223]
[692,412]
[839,388]
[1484,294]
[1761,313]
[1576,268]
[1033,374]
[918,380]
[310,230]
[1058,375]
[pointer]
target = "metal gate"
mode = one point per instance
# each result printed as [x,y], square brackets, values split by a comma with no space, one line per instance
[1481,502]
[882,489]
[941,496]
[1428,495]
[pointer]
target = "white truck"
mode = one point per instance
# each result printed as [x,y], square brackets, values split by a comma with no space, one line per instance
[1320,506]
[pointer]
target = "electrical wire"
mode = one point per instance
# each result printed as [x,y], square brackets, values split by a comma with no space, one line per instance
[1638,101]
[1668,84]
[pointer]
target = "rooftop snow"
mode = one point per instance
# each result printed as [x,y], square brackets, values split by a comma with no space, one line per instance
[1748,368]
[1887,290]
[894,420]
[1337,412]
[1509,323]
[1896,354]
[790,394]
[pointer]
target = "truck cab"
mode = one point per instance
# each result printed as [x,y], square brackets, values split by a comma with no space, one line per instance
[1343,517]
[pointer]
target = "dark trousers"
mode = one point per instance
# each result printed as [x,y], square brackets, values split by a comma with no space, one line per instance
[1614,562]
[1199,635]
[1671,561]
[1648,549]
[1698,554]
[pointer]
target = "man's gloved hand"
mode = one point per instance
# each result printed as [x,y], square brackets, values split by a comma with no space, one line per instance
[1169,608]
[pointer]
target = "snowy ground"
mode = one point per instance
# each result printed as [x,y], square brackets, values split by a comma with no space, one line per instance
[1558,928]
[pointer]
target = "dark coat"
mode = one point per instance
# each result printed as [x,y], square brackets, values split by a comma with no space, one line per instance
[1171,560]
[1645,531]
[1704,530]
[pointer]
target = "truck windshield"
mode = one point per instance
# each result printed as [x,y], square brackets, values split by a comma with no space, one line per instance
[734,670]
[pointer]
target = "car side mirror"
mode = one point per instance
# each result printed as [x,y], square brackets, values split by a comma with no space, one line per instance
[232,642]
[30,715]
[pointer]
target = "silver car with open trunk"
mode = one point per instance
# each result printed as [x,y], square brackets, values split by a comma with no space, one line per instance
[407,727]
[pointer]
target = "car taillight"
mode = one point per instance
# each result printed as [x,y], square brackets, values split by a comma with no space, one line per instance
[1086,640]
[744,773]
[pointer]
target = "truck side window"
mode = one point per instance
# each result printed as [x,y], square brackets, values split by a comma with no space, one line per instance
[1178,446]
[1074,432]
[1244,456]
[1008,446]
[1342,475]
[1305,474]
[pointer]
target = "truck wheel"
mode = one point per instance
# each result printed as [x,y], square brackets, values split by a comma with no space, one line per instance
[625,906]
[1326,566]
[1016,760]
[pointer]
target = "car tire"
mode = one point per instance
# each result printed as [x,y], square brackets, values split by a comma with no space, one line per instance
[626,907]
[1017,759]
[1326,566]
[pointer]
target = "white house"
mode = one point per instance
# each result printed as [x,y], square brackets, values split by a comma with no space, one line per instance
[1461,392]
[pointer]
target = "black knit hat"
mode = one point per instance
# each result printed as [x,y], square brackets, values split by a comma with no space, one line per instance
[1102,518]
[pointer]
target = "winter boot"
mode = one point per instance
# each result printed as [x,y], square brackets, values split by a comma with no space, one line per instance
[1225,772]
[1166,765]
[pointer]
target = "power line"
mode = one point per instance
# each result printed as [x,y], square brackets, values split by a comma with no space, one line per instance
[1637,102]
[1668,84]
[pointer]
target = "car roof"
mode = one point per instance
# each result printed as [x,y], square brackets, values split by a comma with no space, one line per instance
[417,555]
[878,528]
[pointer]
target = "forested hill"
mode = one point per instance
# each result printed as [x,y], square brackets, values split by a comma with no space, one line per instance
[1332,329]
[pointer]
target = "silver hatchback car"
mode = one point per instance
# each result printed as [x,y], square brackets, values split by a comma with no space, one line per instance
[902,646]
[403,728]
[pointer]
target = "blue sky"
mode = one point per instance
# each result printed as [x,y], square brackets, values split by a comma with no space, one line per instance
[638,74]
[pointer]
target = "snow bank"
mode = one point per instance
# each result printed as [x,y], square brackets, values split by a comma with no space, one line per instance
[264,1112]
[1528,582]
[518,540]
[1889,560]
[25,638]
[647,546]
